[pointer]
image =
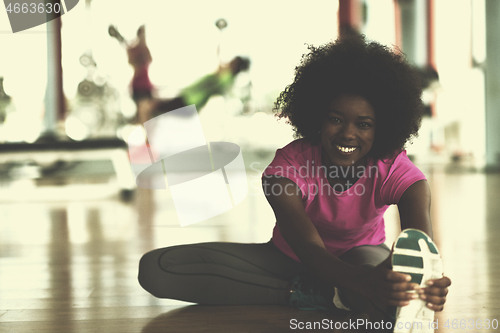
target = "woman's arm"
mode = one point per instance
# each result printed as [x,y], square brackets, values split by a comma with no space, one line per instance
[414,211]
[302,236]
[415,206]
[382,284]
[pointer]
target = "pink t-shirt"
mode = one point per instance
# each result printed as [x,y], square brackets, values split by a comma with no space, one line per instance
[344,218]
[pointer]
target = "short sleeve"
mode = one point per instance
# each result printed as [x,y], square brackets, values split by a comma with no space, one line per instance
[283,165]
[402,174]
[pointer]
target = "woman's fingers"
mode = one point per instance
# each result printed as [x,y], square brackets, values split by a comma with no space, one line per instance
[396,290]
[398,293]
[435,293]
[435,307]
[393,276]
[440,283]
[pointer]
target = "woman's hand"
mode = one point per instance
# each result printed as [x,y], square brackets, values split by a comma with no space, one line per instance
[435,293]
[386,287]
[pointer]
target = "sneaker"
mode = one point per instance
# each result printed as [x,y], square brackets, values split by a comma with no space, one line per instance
[416,254]
[305,294]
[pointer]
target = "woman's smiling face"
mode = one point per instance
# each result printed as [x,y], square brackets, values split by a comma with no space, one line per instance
[348,131]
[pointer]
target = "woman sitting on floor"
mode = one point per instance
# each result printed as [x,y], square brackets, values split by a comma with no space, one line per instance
[353,105]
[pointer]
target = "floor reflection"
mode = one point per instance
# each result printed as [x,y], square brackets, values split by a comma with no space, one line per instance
[71,266]
[271,319]
[59,263]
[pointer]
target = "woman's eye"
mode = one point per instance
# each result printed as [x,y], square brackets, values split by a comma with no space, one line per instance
[365,125]
[335,120]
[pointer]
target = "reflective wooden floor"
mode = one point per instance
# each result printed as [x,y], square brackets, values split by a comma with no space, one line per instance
[69,255]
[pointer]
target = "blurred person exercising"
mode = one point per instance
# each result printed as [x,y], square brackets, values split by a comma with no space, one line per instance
[139,57]
[198,93]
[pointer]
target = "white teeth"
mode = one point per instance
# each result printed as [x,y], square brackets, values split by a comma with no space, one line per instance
[346,149]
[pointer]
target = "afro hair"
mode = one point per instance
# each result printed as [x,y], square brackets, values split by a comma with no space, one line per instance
[354,66]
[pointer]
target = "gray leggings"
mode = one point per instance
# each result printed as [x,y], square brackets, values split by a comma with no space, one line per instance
[232,273]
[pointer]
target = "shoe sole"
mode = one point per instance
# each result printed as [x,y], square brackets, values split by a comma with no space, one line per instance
[416,254]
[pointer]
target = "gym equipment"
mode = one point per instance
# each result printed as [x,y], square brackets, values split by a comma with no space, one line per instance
[52,148]
[5,103]
[95,110]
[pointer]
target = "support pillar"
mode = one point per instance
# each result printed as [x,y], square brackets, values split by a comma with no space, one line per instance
[349,16]
[54,97]
[492,81]
[414,30]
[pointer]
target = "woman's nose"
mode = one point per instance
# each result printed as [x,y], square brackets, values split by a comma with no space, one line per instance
[349,131]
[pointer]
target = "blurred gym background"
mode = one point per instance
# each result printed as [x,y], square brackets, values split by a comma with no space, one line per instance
[447,40]
[73,223]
